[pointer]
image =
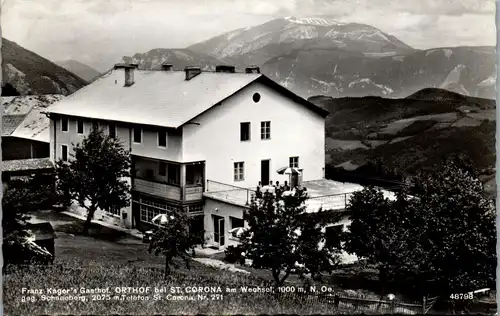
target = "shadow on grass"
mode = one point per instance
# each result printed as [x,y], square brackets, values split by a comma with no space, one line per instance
[70,225]
[96,231]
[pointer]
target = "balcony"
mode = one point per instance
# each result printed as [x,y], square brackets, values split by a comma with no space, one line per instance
[157,188]
[193,193]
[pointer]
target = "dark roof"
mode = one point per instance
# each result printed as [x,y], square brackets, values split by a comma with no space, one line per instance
[10,123]
[22,116]
[42,231]
[27,164]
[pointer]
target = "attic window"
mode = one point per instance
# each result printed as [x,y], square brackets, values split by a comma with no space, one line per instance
[256,97]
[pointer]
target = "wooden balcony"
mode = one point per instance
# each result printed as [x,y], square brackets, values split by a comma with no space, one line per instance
[193,193]
[159,189]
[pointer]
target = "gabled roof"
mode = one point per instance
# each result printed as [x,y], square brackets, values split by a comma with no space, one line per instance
[35,126]
[160,98]
[22,116]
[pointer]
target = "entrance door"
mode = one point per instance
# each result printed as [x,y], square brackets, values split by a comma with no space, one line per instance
[264,171]
[219,230]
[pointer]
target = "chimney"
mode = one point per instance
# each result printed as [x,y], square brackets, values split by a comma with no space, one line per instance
[225,68]
[167,67]
[192,71]
[129,72]
[252,70]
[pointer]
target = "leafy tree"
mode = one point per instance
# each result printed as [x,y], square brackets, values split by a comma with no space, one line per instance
[282,237]
[173,239]
[16,203]
[374,233]
[8,90]
[455,230]
[440,240]
[19,198]
[95,175]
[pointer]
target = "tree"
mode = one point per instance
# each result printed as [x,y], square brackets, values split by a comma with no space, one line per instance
[173,239]
[8,90]
[282,237]
[95,175]
[455,230]
[18,199]
[374,234]
[440,240]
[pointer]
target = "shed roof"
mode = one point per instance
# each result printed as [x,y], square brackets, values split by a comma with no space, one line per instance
[27,164]
[42,231]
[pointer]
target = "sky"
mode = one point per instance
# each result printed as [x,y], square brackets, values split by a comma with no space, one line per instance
[100,32]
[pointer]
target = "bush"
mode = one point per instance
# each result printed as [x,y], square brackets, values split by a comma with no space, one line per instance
[233,254]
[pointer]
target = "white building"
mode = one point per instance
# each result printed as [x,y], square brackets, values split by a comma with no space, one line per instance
[189,131]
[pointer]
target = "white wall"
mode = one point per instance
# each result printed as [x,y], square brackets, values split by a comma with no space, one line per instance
[295,131]
[71,136]
[149,146]
[226,210]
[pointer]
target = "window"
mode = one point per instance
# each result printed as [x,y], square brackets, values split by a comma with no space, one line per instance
[256,97]
[162,169]
[162,139]
[195,208]
[137,135]
[239,171]
[265,130]
[194,174]
[149,208]
[95,125]
[245,131]
[79,126]
[112,130]
[64,152]
[333,235]
[294,162]
[64,124]
[114,211]
[173,176]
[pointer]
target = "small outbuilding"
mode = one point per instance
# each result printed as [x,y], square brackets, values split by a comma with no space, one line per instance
[44,236]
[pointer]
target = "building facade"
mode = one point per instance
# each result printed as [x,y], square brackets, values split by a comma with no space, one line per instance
[189,129]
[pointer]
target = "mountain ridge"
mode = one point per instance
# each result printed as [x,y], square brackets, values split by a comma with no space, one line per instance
[29,73]
[80,69]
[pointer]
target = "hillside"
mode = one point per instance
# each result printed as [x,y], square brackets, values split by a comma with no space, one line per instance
[409,134]
[180,58]
[319,55]
[28,73]
[83,71]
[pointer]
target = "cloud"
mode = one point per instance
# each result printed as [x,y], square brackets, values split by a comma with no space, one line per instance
[101,31]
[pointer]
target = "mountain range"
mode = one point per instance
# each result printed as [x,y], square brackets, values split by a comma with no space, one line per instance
[83,71]
[25,73]
[319,55]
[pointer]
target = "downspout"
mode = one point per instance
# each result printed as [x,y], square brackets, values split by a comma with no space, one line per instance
[55,134]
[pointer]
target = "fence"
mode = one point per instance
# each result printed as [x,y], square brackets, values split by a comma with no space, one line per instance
[354,303]
[230,192]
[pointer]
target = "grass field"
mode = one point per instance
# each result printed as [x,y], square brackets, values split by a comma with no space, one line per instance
[108,258]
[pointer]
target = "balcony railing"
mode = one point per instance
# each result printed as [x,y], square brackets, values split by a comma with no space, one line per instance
[193,192]
[157,188]
[229,192]
[329,202]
